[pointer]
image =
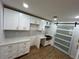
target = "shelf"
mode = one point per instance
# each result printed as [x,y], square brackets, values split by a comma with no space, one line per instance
[61,49]
[62,44]
[62,39]
[64,29]
[69,33]
[64,35]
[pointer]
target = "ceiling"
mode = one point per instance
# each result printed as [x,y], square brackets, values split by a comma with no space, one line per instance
[66,10]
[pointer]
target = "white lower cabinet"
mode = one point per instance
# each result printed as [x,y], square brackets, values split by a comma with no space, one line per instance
[23,48]
[35,41]
[12,51]
[32,41]
[4,52]
[27,47]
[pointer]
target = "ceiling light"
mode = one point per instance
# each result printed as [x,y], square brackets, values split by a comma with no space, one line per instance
[55,17]
[77,17]
[25,5]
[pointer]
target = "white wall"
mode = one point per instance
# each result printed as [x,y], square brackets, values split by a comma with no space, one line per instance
[52,31]
[75,41]
[1,22]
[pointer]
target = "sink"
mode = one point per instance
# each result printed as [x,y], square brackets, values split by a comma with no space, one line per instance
[48,37]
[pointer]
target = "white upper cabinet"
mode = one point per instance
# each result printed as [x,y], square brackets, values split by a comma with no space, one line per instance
[10,19]
[14,20]
[27,22]
[24,21]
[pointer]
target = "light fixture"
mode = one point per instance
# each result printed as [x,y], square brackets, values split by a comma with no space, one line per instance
[55,17]
[25,5]
[77,17]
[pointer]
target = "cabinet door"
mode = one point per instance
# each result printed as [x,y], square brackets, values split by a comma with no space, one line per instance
[37,41]
[21,47]
[10,19]
[32,41]
[27,47]
[4,52]
[12,51]
[27,22]
[24,22]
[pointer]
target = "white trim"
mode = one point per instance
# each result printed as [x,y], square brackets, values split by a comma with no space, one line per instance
[62,45]
[63,40]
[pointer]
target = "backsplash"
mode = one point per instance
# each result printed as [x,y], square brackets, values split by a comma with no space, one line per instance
[18,34]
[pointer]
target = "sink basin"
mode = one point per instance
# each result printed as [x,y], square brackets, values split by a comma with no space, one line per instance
[48,37]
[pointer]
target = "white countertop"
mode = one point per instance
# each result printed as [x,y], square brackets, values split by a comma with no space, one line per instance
[13,40]
[16,40]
